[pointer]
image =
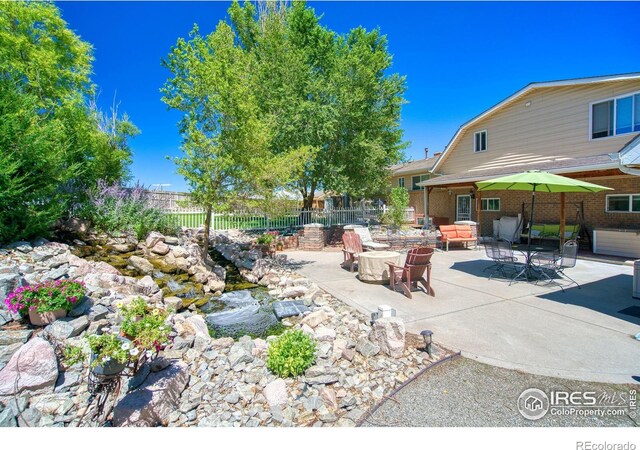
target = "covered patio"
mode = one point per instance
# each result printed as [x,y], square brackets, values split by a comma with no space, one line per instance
[583,334]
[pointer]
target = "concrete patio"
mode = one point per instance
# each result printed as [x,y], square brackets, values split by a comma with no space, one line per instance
[577,334]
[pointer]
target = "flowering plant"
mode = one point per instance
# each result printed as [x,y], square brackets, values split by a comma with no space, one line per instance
[109,347]
[45,297]
[145,325]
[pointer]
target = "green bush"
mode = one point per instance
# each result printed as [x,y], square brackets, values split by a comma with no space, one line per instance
[398,202]
[291,354]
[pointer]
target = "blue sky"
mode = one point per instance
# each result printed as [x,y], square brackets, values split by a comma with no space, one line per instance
[460,58]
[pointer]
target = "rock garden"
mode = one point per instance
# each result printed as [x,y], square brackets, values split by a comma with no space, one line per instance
[180,346]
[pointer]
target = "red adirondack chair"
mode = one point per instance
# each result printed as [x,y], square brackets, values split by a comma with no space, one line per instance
[418,261]
[352,247]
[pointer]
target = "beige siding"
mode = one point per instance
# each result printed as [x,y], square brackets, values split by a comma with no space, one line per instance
[416,198]
[554,126]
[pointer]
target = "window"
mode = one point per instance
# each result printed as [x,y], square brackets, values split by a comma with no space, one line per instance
[623,203]
[490,204]
[480,141]
[401,182]
[616,116]
[417,179]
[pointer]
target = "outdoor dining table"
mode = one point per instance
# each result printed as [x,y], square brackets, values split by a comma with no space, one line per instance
[373,268]
[530,251]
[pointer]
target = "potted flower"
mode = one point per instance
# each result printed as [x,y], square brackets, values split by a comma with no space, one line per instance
[45,302]
[145,325]
[110,353]
[264,242]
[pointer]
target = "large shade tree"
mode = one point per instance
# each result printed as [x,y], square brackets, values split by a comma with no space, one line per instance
[53,142]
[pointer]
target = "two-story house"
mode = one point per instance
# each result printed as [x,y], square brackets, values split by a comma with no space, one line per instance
[581,128]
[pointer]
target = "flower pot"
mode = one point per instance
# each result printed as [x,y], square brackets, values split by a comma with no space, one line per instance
[42,319]
[111,367]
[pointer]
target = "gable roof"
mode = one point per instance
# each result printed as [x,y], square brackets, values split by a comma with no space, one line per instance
[529,87]
[630,153]
[421,165]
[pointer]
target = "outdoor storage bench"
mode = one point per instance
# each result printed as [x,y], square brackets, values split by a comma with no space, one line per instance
[457,233]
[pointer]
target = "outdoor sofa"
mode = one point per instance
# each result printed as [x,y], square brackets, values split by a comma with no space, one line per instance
[457,233]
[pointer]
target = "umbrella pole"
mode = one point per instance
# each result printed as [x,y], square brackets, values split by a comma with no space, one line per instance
[533,204]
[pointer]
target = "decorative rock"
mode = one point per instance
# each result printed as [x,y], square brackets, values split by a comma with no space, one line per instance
[152,403]
[232,398]
[149,286]
[324,334]
[161,249]
[153,238]
[81,308]
[141,264]
[276,392]
[239,354]
[171,240]
[329,398]
[321,375]
[388,333]
[6,352]
[64,328]
[159,364]
[315,318]
[367,348]
[9,337]
[348,354]
[7,418]
[97,312]
[8,283]
[199,326]
[32,368]
[288,308]
[123,248]
[293,291]
[30,417]
[224,342]
[174,303]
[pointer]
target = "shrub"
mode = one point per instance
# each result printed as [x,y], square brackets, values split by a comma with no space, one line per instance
[291,354]
[398,202]
[45,297]
[72,354]
[114,209]
[265,239]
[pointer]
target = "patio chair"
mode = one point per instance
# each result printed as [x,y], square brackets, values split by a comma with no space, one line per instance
[413,272]
[501,253]
[367,240]
[352,248]
[553,266]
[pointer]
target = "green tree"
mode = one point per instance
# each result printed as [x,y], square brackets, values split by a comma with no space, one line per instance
[398,203]
[327,92]
[52,142]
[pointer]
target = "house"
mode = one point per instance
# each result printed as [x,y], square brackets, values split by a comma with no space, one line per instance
[409,174]
[584,128]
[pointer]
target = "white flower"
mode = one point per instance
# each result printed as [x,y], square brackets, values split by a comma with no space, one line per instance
[106,359]
[134,351]
[147,325]
[125,346]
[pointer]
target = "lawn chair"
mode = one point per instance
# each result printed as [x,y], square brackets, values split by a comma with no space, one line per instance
[367,240]
[555,266]
[352,248]
[418,261]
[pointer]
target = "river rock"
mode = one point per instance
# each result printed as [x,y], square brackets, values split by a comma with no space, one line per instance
[276,392]
[161,249]
[151,404]
[367,348]
[171,240]
[239,354]
[153,238]
[8,337]
[388,333]
[7,418]
[199,326]
[141,264]
[321,375]
[294,291]
[221,343]
[7,351]
[324,334]
[149,286]
[8,283]
[174,303]
[315,318]
[32,368]
[64,328]
[329,398]
[179,252]
[124,248]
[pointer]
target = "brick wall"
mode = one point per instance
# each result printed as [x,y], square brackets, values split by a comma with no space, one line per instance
[441,204]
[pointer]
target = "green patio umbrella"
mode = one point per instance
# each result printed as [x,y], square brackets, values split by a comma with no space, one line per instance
[537,181]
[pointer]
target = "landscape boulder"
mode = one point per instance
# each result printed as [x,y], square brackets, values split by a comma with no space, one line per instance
[32,368]
[388,333]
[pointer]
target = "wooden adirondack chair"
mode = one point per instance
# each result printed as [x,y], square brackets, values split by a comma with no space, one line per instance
[418,261]
[352,247]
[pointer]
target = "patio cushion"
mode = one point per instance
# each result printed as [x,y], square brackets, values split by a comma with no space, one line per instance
[551,230]
[535,233]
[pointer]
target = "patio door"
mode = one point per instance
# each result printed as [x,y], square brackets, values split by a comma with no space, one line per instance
[463,207]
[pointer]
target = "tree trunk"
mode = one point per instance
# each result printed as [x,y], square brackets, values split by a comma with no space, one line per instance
[207,228]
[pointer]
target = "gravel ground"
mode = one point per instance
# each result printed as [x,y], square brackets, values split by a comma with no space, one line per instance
[463,392]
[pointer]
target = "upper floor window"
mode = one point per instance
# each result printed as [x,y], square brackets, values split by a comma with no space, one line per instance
[417,179]
[616,116]
[480,141]
[401,182]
